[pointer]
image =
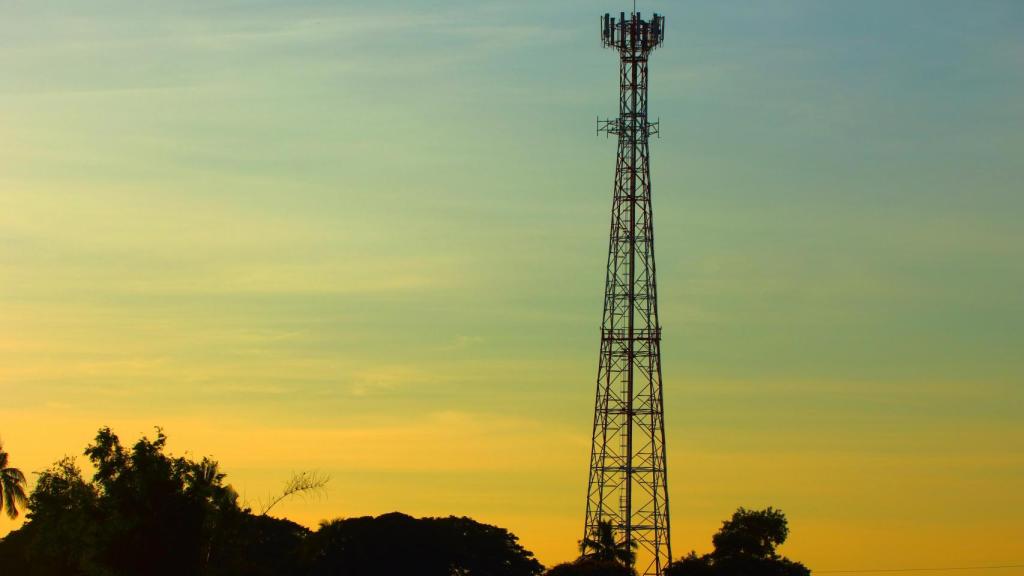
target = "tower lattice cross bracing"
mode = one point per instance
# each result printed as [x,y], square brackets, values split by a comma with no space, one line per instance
[628,481]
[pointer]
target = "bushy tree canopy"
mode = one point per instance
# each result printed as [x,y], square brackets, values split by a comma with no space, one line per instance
[143,512]
[753,533]
[397,544]
[744,546]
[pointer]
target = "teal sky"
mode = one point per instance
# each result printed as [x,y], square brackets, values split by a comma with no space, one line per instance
[369,238]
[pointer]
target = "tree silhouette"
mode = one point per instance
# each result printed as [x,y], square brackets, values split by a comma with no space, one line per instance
[602,546]
[160,512]
[590,567]
[59,537]
[145,512]
[744,546]
[753,533]
[399,545]
[12,486]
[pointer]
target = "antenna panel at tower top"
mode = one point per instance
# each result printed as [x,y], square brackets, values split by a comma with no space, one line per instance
[633,34]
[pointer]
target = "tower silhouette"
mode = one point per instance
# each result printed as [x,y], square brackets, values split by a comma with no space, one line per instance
[628,482]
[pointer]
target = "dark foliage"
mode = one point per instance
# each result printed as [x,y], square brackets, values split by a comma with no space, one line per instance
[744,546]
[143,513]
[396,544]
[60,536]
[147,513]
[752,534]
[691,565]
[591,567]
[257,545]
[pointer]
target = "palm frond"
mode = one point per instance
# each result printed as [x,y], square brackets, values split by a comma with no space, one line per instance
[12,487]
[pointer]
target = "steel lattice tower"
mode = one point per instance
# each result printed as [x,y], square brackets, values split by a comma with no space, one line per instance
[628,481]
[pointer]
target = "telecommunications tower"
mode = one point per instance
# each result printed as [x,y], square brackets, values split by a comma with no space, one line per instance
[628,483]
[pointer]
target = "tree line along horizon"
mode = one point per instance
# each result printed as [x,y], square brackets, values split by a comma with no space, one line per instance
[146,512]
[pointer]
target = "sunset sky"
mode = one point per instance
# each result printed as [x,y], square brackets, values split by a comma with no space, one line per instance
[369,238]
